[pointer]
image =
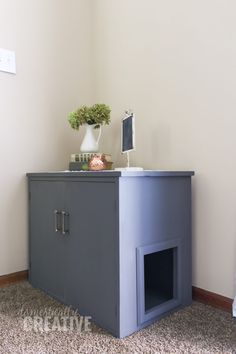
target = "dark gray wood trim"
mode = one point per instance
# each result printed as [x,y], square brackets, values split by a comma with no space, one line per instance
[13,277]
[212,299]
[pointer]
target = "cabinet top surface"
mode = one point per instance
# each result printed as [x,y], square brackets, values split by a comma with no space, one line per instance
[145,173]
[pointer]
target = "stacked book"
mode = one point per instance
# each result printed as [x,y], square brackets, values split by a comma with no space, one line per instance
[89,161]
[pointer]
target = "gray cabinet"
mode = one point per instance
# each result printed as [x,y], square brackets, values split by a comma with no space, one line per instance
[115,245]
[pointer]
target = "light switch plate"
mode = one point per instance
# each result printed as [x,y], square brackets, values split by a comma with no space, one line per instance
[7,61]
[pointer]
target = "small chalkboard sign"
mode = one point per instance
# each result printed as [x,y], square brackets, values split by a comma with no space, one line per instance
[128,133]
[128,140]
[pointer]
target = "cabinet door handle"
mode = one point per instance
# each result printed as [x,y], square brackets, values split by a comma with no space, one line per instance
[56,213]
[64,214]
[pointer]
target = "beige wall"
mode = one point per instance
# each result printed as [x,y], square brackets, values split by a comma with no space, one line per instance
[52,41]
[174,63]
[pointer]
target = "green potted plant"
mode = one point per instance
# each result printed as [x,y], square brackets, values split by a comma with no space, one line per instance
[92,118]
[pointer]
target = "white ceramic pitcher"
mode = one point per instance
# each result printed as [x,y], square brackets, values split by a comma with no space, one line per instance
[90,143]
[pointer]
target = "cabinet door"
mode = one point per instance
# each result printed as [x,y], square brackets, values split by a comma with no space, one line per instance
[46,245]
[92,264]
